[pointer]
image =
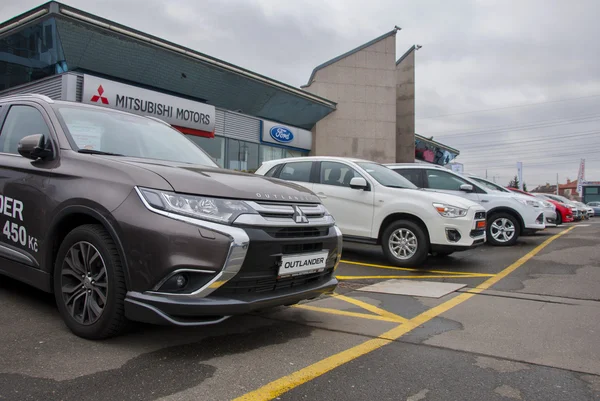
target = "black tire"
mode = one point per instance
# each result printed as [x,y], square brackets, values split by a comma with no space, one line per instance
[111,320]
[490,230]
[422,243]
[558,218]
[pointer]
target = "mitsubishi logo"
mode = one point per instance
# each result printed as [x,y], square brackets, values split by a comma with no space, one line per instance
[299,216]
[99,96]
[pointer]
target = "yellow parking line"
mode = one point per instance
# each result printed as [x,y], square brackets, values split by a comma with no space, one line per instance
[409,277]
[410,269]
[287,383]
[372,308]
[346,313]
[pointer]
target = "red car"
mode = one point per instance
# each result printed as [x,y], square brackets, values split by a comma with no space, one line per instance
[563,213]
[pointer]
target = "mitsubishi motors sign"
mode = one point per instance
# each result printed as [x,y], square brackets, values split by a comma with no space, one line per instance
[174,110]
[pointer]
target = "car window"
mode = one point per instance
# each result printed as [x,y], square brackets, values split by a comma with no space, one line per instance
[272,171]
[491,185]
[411,174]
[298,171]
[442,180]
[20,122]
[338,174]
[385,176]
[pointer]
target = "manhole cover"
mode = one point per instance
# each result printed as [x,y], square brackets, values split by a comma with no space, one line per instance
[414,288]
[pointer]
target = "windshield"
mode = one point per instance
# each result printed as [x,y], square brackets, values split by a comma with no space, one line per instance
[385,176]
[105,131]
[489,185]
[559,198]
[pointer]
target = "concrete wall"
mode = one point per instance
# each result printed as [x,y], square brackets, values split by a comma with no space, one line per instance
[405,108]
[364,86]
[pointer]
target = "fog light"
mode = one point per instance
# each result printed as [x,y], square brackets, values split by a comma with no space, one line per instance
[180,281]
[452,235]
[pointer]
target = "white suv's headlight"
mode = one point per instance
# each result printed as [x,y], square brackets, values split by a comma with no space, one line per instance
[527,202]
[200,207]
[449,210]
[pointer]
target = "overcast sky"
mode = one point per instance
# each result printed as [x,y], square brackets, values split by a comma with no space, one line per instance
[541,56]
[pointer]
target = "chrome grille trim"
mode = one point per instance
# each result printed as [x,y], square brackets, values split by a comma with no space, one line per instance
[271,209]
[258,220]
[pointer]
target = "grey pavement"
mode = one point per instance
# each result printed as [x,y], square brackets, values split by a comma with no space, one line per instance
[533,336]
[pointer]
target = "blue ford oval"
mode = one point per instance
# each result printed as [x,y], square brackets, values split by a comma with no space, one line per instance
[281,134]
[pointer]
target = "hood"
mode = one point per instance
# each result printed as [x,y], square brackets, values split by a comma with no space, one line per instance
[222,183]
[449,199]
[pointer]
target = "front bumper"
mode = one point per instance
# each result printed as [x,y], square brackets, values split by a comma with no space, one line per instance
[550,217]
[456,234]
[229,270]
[168,310]
[534,219]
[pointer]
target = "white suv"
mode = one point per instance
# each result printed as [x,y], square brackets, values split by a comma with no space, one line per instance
[372,204]
[509,215]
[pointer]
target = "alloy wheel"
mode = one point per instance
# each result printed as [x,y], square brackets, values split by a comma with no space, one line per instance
[502,229]
[84,283]
[403,243]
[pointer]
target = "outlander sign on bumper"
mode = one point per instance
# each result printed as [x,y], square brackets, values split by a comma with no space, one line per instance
[303,264]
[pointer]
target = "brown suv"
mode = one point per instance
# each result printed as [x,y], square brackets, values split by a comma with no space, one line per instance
[122,218]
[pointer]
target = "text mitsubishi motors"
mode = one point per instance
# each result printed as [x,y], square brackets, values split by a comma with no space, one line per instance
[174,110]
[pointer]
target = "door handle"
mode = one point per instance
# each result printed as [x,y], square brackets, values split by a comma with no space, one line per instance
[321,195]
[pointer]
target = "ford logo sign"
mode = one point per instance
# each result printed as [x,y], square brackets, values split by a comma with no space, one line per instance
[281,134]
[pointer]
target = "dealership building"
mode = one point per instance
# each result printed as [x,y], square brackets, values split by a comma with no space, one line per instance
[359,104]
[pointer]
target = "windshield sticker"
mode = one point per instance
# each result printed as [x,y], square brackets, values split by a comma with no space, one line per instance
[86,136]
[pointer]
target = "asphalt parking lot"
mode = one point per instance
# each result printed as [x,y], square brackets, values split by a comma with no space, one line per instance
[524,325]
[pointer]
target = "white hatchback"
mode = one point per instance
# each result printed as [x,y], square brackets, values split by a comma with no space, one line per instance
[372,204]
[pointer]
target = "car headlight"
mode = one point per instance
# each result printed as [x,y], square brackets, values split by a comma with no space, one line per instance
[528,202]
[449,210]
[199,207]
[548,205]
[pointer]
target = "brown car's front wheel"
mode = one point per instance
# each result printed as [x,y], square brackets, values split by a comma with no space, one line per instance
[89,285]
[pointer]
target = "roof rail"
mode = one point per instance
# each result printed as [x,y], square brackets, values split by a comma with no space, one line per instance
[33,95]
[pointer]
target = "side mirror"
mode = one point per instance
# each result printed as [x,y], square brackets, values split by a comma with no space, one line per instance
[358,183]
[466,187]
[34,147]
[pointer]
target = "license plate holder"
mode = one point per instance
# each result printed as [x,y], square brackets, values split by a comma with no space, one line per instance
[300,264]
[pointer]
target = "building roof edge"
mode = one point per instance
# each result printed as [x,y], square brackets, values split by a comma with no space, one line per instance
[348,53]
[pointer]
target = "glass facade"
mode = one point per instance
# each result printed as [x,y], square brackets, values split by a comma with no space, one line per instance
[32,53]
[215,147]
[38,51]
[239,155]
[591,193]
[432,152]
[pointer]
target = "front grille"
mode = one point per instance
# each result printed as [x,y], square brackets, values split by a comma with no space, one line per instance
[297,232]
[282,210]
[302,248]
[477,233]
[480,216]
[270,284]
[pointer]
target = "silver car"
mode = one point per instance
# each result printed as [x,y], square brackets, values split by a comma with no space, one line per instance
[578,212]
[596,207]
[589,211]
